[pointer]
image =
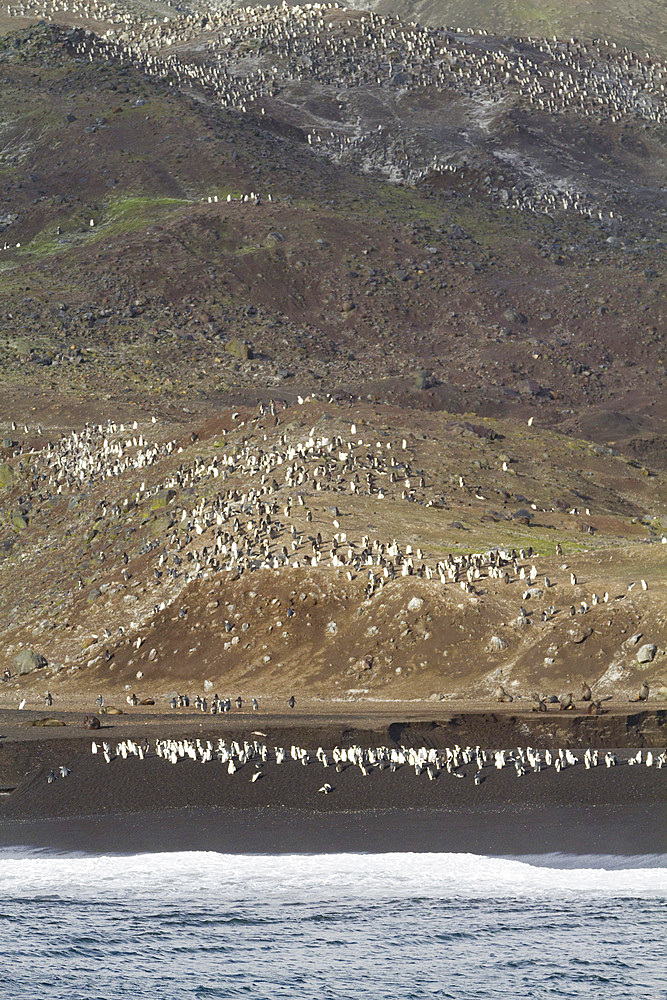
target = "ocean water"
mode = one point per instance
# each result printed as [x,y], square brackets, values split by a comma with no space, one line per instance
[331,927]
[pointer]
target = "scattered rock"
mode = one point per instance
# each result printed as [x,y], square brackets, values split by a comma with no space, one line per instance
[424,380]
[646,653]
[331,629]
[415,603]
[7,474]
[513,316]
[238,349]
[7,219]
[496,643]
[162,499]
[28,660]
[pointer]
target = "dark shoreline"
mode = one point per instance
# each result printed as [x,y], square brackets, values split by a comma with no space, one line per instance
[136,806]
[533,831]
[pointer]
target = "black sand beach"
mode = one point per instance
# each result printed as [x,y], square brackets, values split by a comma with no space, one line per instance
[133,805]
[530,830]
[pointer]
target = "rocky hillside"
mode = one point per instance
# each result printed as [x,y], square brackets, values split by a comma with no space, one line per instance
[332,358]
[309,548]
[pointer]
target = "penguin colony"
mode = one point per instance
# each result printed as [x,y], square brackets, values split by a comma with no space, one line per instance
[250,58]
[253,756]
[97,452]
[252,510]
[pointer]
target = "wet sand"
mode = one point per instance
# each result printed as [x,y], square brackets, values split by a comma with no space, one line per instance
[618,830]
[133,806]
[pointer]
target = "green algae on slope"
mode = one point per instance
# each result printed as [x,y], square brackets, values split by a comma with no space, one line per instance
[122,215]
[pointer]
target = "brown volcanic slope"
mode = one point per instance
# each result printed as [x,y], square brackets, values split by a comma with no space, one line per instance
[341,280]
[168,574]
[640,25]
[429,315]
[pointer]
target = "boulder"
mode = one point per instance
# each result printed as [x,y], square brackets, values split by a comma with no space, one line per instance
[423,380]
[497,644]
[238,349]
[415,603]
[646,653]
[514,316]
[28,660]
[7,474]
[162,499]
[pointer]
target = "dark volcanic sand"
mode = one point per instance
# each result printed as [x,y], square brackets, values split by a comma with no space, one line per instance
[618,829]
[134,806]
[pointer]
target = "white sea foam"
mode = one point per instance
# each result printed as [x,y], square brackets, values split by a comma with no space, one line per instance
[326,876]
[197,926]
